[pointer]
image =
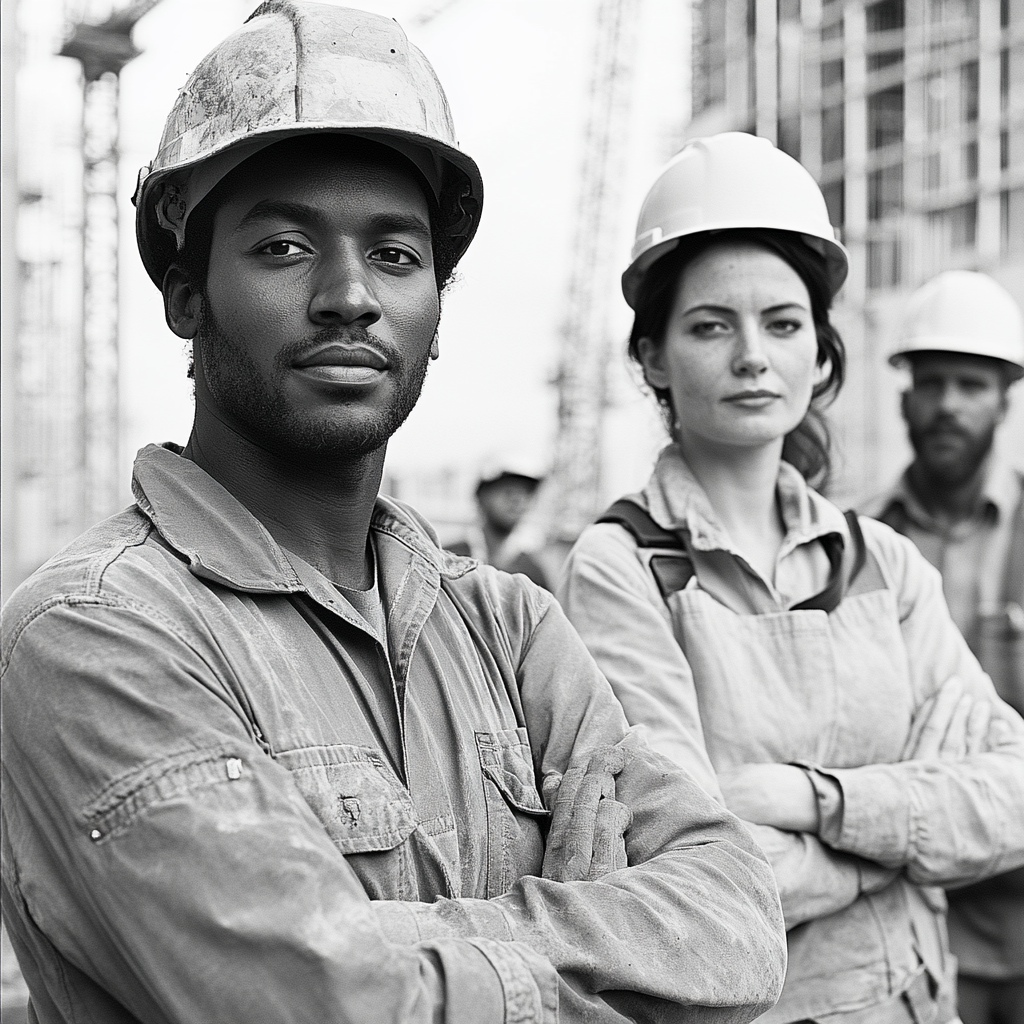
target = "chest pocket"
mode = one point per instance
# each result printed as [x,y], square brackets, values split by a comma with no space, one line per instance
[358,799]
[516,818]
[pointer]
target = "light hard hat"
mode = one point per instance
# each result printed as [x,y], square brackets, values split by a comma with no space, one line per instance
[297,68]
[965,312]
[731,180]
[506,466]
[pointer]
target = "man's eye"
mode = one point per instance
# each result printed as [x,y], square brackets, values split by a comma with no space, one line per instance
[393,255]
[282,247]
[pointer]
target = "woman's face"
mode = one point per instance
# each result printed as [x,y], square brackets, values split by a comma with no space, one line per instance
[740,350]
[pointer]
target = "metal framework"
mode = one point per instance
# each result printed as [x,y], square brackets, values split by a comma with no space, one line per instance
[103,50]
[581,379]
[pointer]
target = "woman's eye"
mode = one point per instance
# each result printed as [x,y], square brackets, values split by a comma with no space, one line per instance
[393,255]
[282,247]
[784,327]
[709,328]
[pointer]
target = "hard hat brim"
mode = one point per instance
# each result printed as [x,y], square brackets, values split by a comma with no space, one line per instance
[941,345]
[836,259]
[157,245]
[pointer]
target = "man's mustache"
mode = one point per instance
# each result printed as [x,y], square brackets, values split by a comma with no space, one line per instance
[350,335]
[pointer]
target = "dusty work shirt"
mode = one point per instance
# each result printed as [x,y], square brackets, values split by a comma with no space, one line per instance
[225,800]
[981,560]
[724,673]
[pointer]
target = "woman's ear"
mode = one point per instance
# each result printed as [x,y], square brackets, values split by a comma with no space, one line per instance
[652,359]
[183,305]
[821,372]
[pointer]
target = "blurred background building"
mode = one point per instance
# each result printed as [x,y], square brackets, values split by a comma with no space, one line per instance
[910,113]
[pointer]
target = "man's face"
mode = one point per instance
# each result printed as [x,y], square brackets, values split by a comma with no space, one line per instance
[952,410]
[320,302]
[504,502]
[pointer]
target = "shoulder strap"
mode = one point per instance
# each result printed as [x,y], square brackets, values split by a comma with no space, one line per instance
[835,590]
[671,572]
[637,520]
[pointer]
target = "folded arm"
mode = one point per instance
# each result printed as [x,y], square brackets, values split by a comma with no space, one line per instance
[175,863]
[615,606]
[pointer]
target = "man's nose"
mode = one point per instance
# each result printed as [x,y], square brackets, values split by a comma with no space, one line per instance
[750,356]
[951,398]
[344,291]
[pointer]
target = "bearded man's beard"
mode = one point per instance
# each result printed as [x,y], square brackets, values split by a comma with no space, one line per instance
[951,468]
[258,401]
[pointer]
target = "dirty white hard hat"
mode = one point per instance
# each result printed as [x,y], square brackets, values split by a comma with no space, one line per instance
[731,180]
[965,312]
[297,68]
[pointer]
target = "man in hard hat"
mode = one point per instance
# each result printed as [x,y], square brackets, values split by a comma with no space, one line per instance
[504,493]
[270,754]
[963,342]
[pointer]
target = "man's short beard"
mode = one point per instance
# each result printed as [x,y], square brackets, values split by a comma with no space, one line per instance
[250,398]
[950,472]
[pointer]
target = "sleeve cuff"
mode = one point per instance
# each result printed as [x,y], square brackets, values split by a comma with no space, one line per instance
[865,811]
[831,805]
[529,984]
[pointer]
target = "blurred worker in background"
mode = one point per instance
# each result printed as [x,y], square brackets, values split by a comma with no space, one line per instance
[962,341]
[270,753]
[504,494]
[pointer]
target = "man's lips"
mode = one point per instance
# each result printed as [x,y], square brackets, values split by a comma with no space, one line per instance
[343,355]
[343,365]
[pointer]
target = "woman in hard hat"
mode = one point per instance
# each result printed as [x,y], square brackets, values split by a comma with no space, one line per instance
[801,663]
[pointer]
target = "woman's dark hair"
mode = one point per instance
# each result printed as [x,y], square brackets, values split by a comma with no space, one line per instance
[808,445]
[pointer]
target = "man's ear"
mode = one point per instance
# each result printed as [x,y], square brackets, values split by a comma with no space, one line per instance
[183,305]
[652,358]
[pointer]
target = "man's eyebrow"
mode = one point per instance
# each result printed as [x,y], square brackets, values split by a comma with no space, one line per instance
[268,209]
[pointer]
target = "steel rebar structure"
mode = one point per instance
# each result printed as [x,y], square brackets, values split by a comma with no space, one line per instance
[581,378]
[103,50]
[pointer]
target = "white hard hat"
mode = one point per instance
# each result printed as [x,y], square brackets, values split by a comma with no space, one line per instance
[966,312]
[500,466]
[731,180]
[297,68]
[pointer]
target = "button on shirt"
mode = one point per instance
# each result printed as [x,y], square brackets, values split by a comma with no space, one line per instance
[225,800]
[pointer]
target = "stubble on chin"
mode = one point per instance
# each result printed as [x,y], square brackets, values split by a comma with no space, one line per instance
[259,406]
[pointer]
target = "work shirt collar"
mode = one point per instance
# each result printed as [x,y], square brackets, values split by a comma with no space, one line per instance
[225,543]
[1000,492]
[676,501]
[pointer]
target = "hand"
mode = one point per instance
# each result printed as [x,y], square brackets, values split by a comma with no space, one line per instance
[950,725]
[780,795]
[587,835]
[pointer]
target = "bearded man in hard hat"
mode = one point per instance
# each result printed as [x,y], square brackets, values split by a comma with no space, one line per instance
[962,340]
[270,754]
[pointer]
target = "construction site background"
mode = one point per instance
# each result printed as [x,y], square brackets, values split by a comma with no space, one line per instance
[910,114]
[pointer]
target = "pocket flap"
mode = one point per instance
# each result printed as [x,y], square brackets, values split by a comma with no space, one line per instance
[506,760]
[357,797]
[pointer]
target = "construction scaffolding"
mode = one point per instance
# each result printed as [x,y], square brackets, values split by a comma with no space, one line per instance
[62,409]
[582,376]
